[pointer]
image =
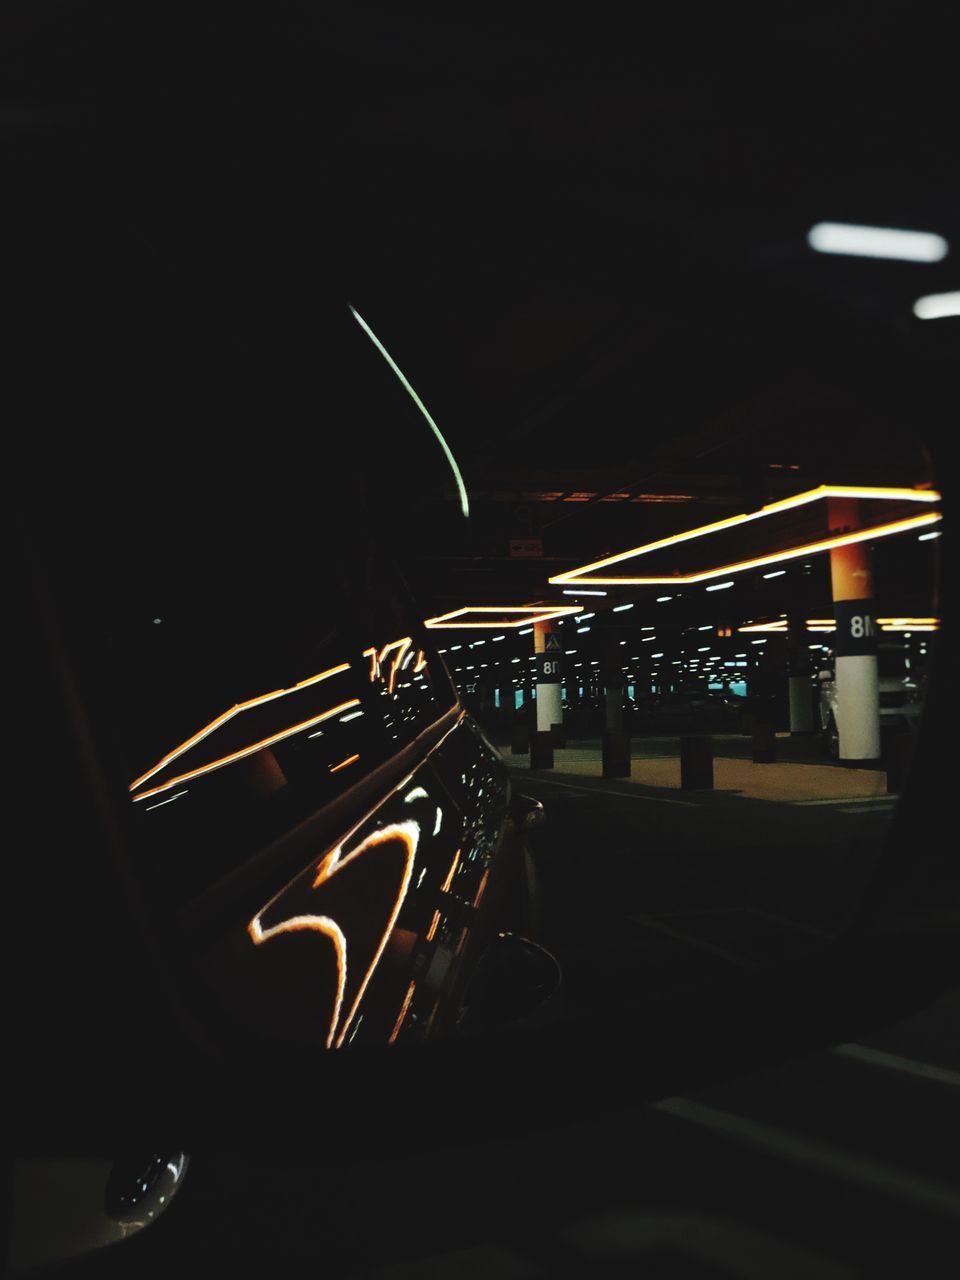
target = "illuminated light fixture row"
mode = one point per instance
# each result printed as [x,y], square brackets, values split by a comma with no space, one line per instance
[403,653]
[877,242]
[248,750]
[235,711]
[527,614]
[936,306]
[586,574]
[829,624]
[664,497]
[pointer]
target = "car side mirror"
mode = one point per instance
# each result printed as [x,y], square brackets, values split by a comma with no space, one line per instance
[517,985]
[526,813]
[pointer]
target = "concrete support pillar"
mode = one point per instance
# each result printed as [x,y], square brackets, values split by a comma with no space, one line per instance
[615,742]
[855,642]
[801,699]
[696,762]
[549,664]
[613,706]
[485,694]
[612,686]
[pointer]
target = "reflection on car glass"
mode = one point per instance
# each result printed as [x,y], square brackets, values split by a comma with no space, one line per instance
[259,723]
[225,730]
[263,765]
[306,906]
[369,941]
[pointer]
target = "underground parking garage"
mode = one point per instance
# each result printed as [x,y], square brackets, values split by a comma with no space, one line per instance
[475,648]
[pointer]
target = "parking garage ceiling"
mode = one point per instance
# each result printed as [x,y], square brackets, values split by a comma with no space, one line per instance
[584,243]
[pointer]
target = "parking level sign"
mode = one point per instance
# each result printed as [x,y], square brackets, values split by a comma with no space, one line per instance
[856,631]
[526,548]
[550,662]
[549,668]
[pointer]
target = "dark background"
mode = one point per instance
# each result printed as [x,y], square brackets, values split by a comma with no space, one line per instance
[583,239]
[581,236]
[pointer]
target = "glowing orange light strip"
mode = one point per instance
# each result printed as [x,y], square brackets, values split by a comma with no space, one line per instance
[421,661]
[541,613]
[409,833]
[576,576]
[445,887]
[911,626]
[404,1008]
[434,923]
[829,624]
[247,751]
[394,644]
[228,715]
[320,924]
[776,557]
[375,660]
[402,646]
[663,497]
[482,887]
[335,768]
[909,622]
[329,865]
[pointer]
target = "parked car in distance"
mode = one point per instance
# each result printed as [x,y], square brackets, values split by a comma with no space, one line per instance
[901,697]
[693,709]
[587,716]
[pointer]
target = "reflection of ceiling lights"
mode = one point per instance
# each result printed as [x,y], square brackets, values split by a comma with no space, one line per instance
[503,615]
[779,627]
[663,497]
[238,710]
[588,573]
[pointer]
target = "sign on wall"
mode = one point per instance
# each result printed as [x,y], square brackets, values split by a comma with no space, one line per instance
[856,627]
[550,662]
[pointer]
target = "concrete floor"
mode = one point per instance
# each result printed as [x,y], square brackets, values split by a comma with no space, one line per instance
[839,1164]
[785,780]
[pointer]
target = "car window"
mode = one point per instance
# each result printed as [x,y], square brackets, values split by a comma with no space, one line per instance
[229,589]
[241,701]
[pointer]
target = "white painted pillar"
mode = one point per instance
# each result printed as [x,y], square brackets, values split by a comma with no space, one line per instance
[800,691]
[549,675]
[855,642]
